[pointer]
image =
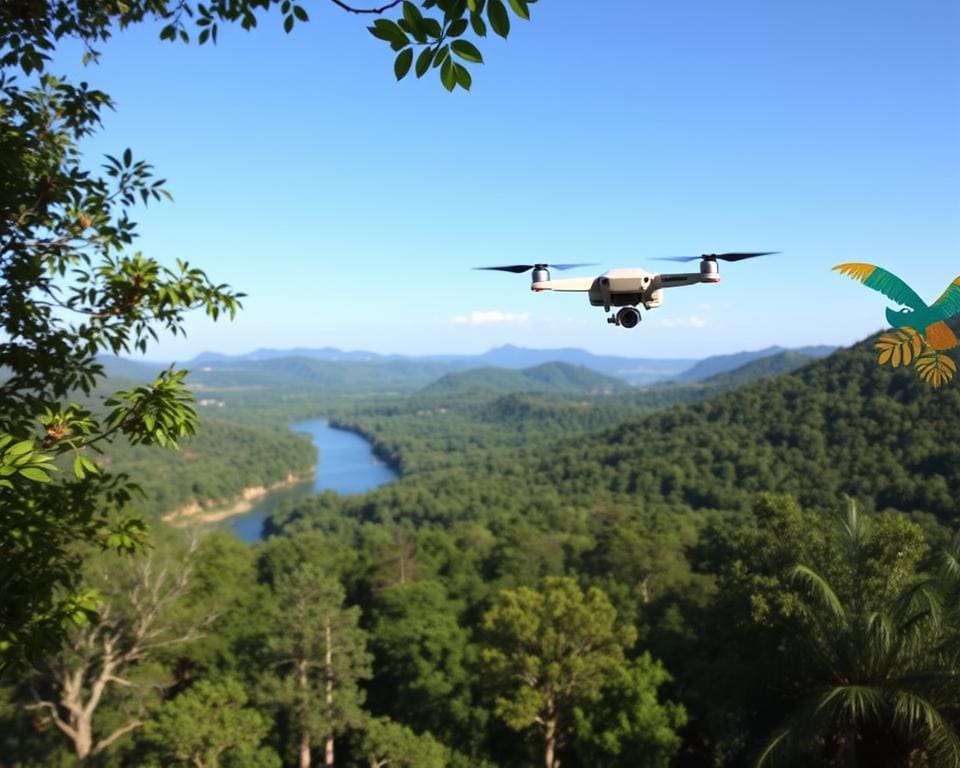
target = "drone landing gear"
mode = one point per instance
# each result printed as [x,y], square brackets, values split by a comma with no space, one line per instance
[628,317]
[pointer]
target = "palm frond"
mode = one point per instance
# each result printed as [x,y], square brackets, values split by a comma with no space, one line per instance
[850,705]
[820,590]
[855,526]
[882,633]
[921,718]
[774,748]
[951,557]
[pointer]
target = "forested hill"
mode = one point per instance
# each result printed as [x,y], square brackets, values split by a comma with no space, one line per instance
[842,425]
[217,465]
[549,378]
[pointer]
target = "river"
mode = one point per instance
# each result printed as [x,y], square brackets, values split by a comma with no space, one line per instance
[345,464]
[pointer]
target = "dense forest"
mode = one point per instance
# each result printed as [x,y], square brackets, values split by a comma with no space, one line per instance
[214,467]
[765,575]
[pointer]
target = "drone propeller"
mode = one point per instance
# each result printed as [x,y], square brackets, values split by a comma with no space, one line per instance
[519,268]
[721,256]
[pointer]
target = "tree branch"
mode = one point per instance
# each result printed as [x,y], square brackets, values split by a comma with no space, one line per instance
[104,743]
[379,10]
[54,715]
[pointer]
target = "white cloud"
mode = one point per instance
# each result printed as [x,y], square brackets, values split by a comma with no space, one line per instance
[694,321]
[491,317]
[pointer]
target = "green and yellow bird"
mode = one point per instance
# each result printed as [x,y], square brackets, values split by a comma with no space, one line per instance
[928,321]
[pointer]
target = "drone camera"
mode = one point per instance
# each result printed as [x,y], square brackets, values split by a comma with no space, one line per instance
[628,317]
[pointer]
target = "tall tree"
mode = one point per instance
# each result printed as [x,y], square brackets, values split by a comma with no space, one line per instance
[319,651]
[421,661]
[551,650]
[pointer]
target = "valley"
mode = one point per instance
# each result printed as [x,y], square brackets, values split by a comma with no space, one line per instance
[678,508]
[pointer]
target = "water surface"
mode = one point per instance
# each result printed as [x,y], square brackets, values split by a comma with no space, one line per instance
[345,464]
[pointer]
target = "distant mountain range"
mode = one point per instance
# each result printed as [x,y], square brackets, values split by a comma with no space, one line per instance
[336,369]
[632,370]
[711,366]
[547,378]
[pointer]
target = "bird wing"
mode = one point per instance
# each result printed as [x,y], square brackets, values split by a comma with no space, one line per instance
[887,283]
[940,336]
[949,301]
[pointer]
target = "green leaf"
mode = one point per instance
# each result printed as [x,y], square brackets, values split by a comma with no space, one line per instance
[447,75]
[389,31]
[520,8]
[467,51]
[300,13]
[288,24]
[499,19]
[35,474]
[412,14]
[423,62]
[464,80]
[18,449]
[402,64]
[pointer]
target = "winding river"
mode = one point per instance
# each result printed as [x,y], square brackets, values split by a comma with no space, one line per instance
[346,464]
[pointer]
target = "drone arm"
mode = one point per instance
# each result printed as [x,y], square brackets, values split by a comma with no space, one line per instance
[684,278]
[567,284]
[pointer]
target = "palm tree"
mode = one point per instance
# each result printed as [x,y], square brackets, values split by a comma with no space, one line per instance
[886,690]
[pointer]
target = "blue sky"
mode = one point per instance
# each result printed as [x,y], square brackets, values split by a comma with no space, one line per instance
[351,208]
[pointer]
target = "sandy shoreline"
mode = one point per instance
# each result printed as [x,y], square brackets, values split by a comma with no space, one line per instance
[213,511]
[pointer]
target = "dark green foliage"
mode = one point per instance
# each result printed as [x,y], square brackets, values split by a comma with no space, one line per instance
[214,466]
[842,425]
[208,726]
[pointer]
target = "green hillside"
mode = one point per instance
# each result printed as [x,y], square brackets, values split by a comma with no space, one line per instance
[549,378]
[216,465]
[841,425]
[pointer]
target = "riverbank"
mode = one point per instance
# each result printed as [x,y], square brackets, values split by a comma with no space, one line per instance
[216,510]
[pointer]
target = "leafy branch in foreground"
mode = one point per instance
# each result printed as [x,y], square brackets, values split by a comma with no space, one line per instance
[445,31]
[68,292]
[441,39]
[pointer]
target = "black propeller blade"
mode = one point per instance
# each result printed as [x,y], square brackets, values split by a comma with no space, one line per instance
[518,268]
[721,256]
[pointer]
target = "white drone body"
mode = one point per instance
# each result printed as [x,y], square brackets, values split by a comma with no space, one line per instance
[627,288]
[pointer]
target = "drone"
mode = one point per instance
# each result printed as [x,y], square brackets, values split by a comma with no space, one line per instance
[628,287]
